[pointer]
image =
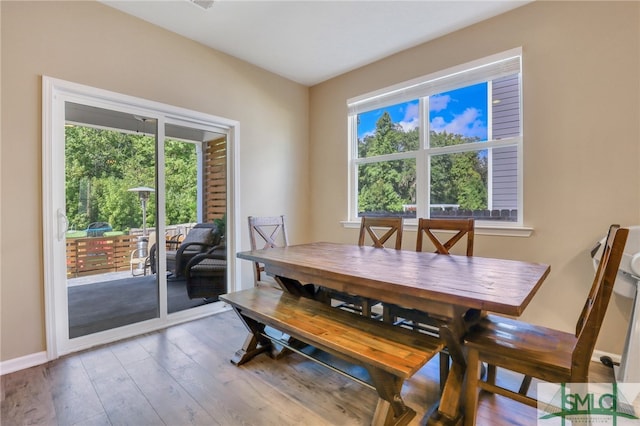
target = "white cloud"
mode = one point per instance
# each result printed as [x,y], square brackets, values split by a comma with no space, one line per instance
[411,118]
[409,125]
[438,124]
[467,124]
[439,102]
[367,134]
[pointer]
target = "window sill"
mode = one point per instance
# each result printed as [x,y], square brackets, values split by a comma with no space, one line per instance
[480,229]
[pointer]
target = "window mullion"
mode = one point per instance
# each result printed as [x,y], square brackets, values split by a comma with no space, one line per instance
[422,162]
[386,157]
[476,146]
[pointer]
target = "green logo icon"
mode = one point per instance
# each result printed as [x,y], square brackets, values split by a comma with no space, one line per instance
[589,403]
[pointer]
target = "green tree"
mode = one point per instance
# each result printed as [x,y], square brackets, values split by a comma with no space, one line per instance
[386,186]
[101,167]
[181,182]
[459,178]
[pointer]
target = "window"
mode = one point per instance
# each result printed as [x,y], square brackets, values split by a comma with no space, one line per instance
[444,145]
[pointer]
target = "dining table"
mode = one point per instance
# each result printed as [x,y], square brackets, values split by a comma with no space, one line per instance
[455,290]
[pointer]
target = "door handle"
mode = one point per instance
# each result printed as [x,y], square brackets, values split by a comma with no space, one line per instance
[63,224]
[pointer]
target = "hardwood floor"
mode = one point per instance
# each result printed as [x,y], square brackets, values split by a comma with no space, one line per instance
[182,376]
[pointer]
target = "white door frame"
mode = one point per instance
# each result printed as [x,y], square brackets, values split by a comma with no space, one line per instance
[55,93]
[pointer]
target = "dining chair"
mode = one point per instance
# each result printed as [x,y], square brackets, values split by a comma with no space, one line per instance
[266,232]
[379,230]
[375,231]
[441,245]
[534,351]
[418,320]
[461,227]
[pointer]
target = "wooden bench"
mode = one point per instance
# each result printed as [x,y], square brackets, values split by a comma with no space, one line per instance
[389,354]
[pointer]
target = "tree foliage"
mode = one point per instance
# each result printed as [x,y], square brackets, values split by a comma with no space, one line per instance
[101,166]
[387,186]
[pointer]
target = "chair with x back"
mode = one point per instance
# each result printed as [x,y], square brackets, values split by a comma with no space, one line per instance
[546,354]
[266,232]
[379,230]
[418,320]
[461,227]
[430,228]
[375,231]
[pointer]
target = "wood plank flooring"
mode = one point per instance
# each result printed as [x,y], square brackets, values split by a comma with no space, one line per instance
[182,376]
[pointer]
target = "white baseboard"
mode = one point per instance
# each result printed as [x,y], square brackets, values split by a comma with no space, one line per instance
[598,354]
[23,362]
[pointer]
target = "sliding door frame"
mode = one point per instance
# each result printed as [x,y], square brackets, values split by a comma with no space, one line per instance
[55,93]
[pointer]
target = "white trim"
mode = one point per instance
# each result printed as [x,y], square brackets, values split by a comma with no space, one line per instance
[55,93]
[599,354]
[23,362]
[233,200]
[494,66]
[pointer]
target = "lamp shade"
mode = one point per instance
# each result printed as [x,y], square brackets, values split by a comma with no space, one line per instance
[143,191]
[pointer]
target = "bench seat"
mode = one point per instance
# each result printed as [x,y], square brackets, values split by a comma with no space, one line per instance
[389,354]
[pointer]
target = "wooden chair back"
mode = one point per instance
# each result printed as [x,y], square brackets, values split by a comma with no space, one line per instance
[595,307]
[540,352]
[372,226]
[266,232]
[462,226]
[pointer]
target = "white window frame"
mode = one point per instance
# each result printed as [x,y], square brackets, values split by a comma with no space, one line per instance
[481,70]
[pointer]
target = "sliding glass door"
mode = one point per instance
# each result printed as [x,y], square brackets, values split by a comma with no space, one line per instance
[124,182]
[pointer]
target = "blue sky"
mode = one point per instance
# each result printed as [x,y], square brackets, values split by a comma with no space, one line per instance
[461,111]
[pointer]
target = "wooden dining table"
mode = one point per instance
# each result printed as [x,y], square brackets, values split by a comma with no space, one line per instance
[455,290]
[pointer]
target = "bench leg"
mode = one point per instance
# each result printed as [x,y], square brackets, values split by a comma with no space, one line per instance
[391,409]
[254,344]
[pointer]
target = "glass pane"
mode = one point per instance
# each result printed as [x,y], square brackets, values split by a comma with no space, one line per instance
[459,116]
[181,177]
[389,130]
[195,170]
[109,283]
[387,188]
[459,184]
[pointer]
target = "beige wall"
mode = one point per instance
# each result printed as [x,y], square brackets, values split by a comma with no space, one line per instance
[581,106]
[582,136]
[88,43]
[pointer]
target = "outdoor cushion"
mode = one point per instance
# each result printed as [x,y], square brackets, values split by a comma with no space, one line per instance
[200,235]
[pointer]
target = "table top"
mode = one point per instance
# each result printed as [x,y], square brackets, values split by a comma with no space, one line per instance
[409,278]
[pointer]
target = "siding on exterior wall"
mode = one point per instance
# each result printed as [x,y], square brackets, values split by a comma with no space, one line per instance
[506,123]
[505,178]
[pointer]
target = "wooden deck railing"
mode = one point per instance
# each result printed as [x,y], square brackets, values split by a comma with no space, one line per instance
[97,255]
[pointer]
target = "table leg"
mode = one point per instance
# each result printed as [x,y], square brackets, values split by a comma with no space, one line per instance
[449,412]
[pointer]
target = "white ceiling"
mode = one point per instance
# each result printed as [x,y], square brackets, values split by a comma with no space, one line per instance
[313,41]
